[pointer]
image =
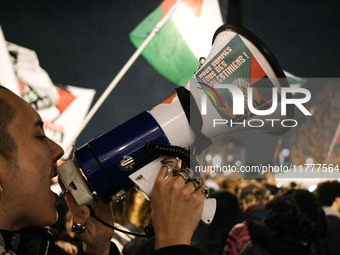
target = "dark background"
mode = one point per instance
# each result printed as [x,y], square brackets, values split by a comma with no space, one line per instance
[85,43]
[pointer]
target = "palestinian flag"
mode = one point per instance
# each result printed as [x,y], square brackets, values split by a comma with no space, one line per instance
[175,50]
[294,81]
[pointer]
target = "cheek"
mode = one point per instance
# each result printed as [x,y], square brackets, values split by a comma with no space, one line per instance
[34,182]
[34,166]
[39,154]
[36,163]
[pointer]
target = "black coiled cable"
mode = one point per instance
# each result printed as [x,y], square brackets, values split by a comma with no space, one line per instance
[172,151]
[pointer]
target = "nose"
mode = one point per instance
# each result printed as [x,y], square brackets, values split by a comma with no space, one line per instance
[56,150]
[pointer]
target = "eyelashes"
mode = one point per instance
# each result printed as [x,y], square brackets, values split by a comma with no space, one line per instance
[41,137]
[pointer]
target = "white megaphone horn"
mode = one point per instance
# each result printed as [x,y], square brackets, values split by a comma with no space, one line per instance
[118,160]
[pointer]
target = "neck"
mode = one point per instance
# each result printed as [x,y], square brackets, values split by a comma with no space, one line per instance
[8,223]
[329,210]
[9,218]
[34,238]
[335,206]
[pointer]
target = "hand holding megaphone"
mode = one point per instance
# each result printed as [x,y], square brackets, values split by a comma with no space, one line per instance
[177,206]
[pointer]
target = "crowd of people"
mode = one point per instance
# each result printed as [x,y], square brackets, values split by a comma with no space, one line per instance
[252,216]
[250,219]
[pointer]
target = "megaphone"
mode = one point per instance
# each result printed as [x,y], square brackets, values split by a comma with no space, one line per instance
[131,153]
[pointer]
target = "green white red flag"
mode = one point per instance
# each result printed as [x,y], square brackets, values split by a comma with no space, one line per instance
[61,109]
[175,50]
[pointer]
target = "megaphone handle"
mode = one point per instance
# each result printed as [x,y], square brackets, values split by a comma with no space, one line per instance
[145,178]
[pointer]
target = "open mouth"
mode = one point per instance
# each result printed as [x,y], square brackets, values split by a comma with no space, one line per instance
[54,185]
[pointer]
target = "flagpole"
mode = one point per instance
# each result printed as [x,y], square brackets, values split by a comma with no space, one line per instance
[333,142]
[121,73]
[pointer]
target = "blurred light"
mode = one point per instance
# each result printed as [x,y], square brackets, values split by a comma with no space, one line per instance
[312,187]
[237,163]
[309,161]
[285,152]
[278,184]
[208,157]
[230,158]
[217,160]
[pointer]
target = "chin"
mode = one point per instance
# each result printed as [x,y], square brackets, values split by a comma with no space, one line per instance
[51,220]
[55,218]
[51,216]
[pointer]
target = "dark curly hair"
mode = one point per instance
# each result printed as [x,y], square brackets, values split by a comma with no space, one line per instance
[327,192]
[296,215]
[8,146]
[254,191]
